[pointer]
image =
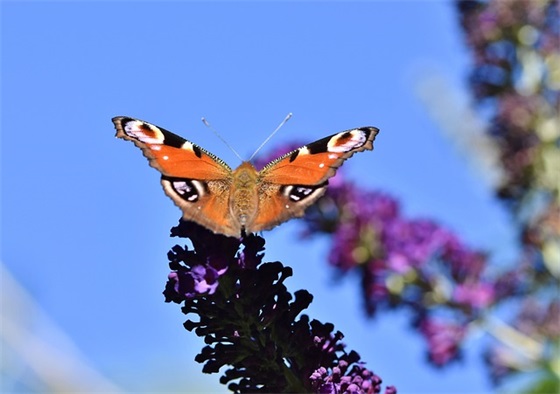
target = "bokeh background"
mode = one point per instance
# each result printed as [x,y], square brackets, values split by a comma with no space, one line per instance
[85,225]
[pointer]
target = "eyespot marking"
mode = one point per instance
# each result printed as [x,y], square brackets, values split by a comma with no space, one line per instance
[188,189]
[298,193]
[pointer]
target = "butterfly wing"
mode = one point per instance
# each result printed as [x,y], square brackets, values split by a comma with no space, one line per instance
[291,183]
[197,181]
[169,153]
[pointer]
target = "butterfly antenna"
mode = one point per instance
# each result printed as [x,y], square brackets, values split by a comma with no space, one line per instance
[271,135]
[221,138]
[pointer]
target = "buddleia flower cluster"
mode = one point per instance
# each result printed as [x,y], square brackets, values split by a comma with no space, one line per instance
[515,81]
[415,264]
[252,325]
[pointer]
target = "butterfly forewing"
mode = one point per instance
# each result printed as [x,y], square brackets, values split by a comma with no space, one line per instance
[314,163]
[169,153]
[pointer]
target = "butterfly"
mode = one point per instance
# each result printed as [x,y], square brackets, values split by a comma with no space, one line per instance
[244,200]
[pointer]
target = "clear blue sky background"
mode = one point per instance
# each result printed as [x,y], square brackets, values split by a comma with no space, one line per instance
[84,220]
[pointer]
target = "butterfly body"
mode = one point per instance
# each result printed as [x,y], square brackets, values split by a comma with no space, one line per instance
[243,195]
[232,202]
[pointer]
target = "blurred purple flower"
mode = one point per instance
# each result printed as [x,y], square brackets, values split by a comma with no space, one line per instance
[477,295]
[515,48]
[370,234]
[443,339]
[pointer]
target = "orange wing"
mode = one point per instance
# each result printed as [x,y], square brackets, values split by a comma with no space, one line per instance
[314,163]
[169,153]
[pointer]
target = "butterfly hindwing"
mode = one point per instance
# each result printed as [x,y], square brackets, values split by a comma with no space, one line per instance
[206,203]
[279,203]
[291,183]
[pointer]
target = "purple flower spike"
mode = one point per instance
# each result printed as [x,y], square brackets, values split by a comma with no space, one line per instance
[252,325]
[342,379]
[197,272]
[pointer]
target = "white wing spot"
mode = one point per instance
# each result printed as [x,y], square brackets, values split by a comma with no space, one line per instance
[165,157]
[321,165]
[133,130]
[287,206]
[357,139]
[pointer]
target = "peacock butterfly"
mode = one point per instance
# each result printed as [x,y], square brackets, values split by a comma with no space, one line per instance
[243,200]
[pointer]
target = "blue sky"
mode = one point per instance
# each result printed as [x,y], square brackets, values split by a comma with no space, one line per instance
[85,223]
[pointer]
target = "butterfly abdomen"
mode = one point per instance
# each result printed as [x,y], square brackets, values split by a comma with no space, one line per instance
[244,200]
